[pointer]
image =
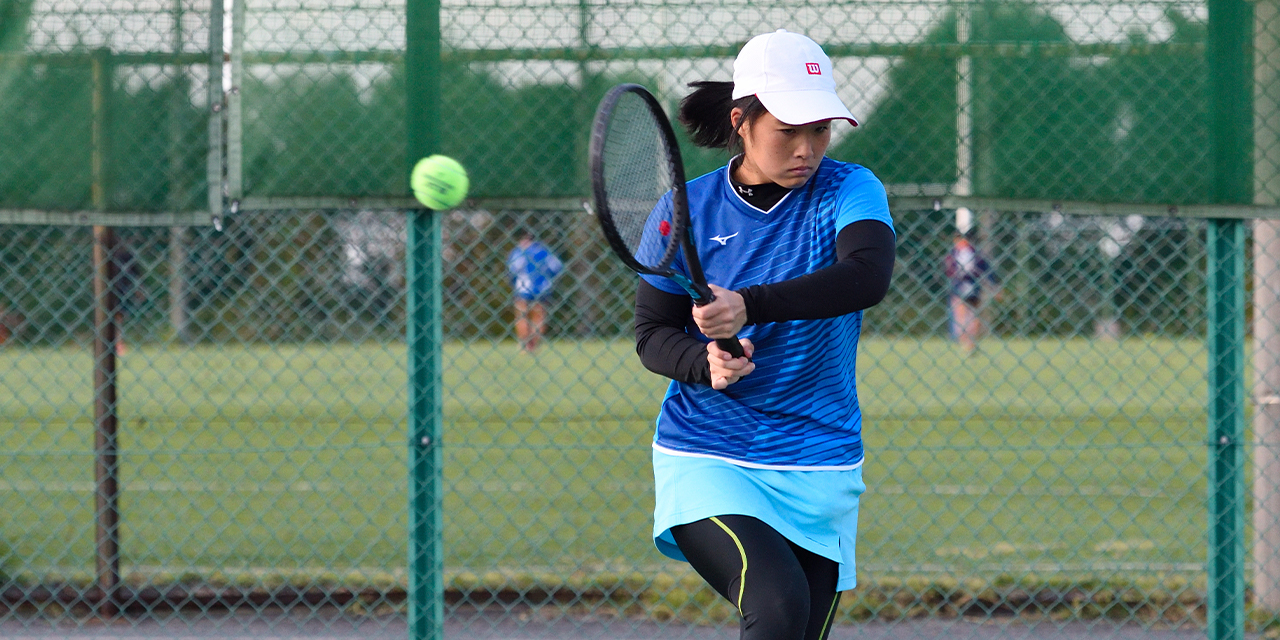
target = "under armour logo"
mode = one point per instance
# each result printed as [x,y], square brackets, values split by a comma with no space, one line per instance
[746,191]
[813,68]
[723,240]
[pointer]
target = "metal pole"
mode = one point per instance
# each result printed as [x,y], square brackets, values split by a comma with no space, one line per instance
[1229,58]
[1266,311]
[426,559]
[105,420]
[423,335]
[214,169]
[581,257]
[1107,324]
[1266,416]
[178,283]
[1020,277]
[235,119]
[178,188]
[981,145]
[964,118]
[106,469]
[1226,430]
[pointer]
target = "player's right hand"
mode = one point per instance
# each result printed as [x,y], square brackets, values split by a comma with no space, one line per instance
[726,369]
[723,317]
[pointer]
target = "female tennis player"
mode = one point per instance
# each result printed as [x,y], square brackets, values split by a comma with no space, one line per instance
[757,460]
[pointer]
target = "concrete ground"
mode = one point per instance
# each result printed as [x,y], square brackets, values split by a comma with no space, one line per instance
[516,625]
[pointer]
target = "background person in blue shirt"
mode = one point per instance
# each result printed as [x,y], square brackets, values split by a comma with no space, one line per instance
[758,460]
[533,269]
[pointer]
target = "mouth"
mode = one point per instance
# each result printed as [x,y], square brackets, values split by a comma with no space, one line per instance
[800,171]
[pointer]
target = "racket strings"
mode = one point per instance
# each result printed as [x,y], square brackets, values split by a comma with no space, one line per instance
[638,174]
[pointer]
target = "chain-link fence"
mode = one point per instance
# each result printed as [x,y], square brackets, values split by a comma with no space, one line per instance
[1036,451]
[1056,471]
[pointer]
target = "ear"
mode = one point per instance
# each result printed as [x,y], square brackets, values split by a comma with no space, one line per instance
[735,117]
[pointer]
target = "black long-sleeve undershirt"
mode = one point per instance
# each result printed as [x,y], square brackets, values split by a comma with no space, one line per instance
[858,280]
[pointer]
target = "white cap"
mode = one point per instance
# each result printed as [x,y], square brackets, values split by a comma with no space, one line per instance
[791,76]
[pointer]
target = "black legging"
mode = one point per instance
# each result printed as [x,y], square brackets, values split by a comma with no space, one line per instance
[782,591]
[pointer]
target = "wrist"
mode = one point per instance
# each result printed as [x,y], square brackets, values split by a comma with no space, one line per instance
[749,303]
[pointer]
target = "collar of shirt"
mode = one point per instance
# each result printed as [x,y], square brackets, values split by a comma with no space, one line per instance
[760,196]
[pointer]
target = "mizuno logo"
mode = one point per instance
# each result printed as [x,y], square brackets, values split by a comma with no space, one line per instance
[723,239]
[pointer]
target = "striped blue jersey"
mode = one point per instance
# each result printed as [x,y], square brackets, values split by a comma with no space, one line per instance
[533,270]
[799,408]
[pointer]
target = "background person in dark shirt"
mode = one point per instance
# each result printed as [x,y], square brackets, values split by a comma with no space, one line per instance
[968,275]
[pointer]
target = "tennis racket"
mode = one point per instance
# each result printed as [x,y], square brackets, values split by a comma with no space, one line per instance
[637,181]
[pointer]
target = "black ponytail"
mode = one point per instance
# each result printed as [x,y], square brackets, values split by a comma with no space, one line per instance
[705,114]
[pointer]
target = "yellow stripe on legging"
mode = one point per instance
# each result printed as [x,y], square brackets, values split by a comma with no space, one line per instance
[831,615]
[742,583]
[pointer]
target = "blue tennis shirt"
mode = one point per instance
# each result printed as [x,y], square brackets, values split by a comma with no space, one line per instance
[533,270]
[799,408]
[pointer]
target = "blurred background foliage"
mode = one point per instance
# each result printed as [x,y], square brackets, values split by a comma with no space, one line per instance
[338,129]
[1144,136]
[341,131]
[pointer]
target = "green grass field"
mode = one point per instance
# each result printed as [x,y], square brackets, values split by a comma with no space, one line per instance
[1045,455]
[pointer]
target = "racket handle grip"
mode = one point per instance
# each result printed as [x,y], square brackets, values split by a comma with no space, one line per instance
[731,346]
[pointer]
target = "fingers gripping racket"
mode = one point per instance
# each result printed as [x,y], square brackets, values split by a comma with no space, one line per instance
[637,180]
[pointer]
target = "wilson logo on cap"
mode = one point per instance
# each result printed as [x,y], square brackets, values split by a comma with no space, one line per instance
[791,76]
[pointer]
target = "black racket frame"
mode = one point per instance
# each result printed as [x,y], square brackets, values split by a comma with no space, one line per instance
[696,283]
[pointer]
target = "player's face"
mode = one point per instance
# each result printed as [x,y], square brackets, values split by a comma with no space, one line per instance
[774,151]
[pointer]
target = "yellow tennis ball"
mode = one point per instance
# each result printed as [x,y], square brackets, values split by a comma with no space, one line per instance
[439,182]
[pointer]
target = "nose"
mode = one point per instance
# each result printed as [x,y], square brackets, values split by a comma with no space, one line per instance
[804,149]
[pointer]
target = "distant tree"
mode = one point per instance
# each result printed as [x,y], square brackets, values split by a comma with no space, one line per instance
[910,134]
[46,129]
[1128,127]
[323,135]
[1036,119]
[144,174]
[310,134]
[1159,121]
[14,18]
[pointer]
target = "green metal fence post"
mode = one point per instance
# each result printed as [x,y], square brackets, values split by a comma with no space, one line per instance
[1230,61]
[426,559]
[1226,429]
[426,566]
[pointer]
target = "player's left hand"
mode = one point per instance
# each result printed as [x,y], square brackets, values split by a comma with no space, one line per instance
[724,317]
[726,369]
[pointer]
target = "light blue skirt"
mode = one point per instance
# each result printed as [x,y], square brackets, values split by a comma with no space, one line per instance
[816,510]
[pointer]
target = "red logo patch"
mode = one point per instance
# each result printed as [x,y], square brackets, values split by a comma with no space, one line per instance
[664,228]
[813,68]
